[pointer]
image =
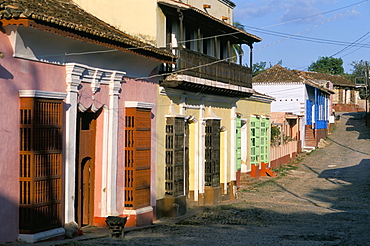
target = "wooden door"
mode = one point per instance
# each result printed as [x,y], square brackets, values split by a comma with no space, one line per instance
[85,173]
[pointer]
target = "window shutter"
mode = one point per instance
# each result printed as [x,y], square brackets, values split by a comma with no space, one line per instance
[212,153]
[40,164]
[137,160]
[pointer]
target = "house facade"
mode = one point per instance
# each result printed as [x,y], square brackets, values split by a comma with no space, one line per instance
[253,136]
[345,97]
[196,130]
[78,113]
[299,95]
[286,142]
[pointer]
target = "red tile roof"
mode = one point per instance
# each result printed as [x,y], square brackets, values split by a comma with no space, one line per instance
[335,79]
[66,15]
[177,4]
[278,74]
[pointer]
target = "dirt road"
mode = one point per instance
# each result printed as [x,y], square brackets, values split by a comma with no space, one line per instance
[325,201]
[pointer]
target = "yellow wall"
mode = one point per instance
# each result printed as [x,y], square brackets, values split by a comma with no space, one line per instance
[218,9]
[143,19]
[247,108]
[139,18]
[193,102]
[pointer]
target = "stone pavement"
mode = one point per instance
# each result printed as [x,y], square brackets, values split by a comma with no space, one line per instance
[325,201]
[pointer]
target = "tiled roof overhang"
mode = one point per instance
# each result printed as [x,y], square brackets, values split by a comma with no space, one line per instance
[239,36]
[279,75]
[65,18]
[322,88]
[203,86]
[337,80]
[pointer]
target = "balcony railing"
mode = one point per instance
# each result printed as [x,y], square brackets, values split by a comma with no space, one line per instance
[199,65]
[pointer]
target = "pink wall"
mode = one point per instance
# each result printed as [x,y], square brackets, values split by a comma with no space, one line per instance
[140,91]
[17,74]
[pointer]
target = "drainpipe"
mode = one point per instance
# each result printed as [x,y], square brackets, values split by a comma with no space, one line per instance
[251,56]
[180,43]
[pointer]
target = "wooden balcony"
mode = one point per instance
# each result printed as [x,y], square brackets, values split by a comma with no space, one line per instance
[206,67]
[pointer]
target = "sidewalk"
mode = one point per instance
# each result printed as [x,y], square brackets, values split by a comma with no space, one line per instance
[93,232]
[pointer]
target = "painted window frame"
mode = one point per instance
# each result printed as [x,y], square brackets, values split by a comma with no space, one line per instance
[41,160]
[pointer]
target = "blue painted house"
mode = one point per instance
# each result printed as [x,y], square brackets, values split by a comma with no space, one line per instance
[298,93]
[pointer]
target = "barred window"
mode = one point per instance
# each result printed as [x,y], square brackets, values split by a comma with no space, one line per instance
[212,153]
[40,165]
[137,157]
[176,157]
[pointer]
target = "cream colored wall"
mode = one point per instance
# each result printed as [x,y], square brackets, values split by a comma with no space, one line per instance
[193,108]
[162,110]
[223,110]
[218,8]
[137,18]
[247,108]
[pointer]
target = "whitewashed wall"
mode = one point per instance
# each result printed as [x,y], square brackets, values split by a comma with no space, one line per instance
[290,97]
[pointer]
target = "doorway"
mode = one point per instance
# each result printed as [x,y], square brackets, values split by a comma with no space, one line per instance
[85,168]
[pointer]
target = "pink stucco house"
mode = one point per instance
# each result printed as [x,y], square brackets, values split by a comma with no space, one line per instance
[79,106]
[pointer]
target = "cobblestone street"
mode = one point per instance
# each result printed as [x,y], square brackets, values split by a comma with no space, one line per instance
[322,200]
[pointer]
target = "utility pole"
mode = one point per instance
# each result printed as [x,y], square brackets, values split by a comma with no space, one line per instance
[367,90]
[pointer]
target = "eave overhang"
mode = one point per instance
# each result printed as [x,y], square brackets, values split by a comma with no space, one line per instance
[326,90]
[197,85]
[239,36]
[73,22]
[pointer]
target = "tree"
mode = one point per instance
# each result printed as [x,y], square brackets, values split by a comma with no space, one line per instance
[329,65]
[237,48]
[358,71]
[258,68]
[358,75]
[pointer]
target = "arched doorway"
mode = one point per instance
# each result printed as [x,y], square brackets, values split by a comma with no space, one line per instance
[85,167]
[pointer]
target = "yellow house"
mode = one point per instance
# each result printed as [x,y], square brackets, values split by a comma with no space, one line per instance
[253,133]
[196,110]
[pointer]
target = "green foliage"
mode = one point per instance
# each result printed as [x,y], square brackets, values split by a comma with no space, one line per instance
[258,68]
[237,49]
[358,71]
[275,136]
[329,65]
[358,76]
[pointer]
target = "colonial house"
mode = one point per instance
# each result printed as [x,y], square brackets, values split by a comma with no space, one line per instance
[299,95]
[197,112]
[78,133]
[346,97]
[253,137]
[286,142]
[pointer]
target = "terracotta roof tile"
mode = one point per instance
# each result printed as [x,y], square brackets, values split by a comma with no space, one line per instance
[277,74]
[335,79]
[66,14]
[176,4]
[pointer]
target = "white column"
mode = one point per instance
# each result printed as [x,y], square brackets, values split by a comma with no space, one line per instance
[72,81]
[105,162]
[196,160]
[201,149]
[182,105]
[224,141]
[111,190]
[233,143]
[244,146]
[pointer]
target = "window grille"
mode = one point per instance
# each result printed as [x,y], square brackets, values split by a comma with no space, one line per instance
[176,157]
[238,143]
[212,153]
[40,165]
[137,157]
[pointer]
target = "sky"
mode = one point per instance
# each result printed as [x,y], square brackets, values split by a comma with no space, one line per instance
[299,32]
